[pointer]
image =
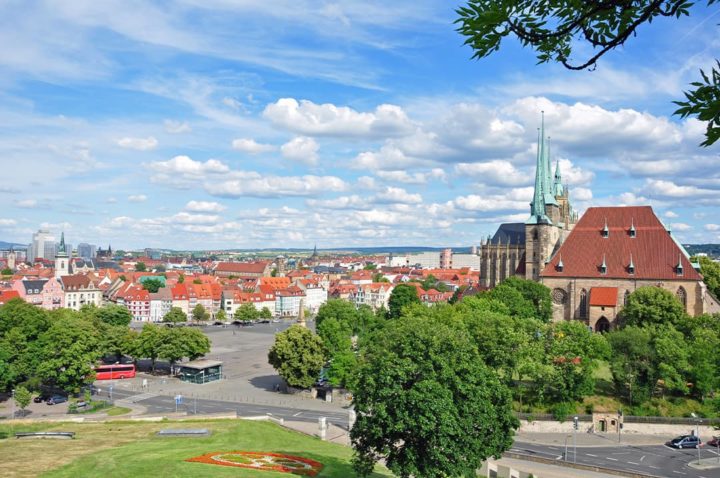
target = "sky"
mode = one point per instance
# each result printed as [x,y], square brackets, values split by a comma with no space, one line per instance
[214,124]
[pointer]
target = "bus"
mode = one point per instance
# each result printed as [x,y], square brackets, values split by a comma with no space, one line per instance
[112,372]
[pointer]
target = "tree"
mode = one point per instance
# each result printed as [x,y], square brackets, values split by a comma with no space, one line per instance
[536,293]
[175,315]
[69,350]
[140,267]
[221,316]
[6,272]
[370,267]
[342,370]
[196,343]
[631,362]
[246,312]
[297,355]
[426,403]
[402,296]
[181,279]
[379,277]
[118,340]
[711,275]
[149,343]
[114,315]
[557,28]
[516,303]
[652,305]
[199,314]
[22,398]
[183,342]
[335,336]
[265,313]
[152,285]
[341,310]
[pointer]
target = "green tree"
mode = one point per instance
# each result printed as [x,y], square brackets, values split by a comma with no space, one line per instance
[70,348]
[140,267]
[426,403]
[370,267]
[711,274]
[556,29]
[149,343]
[335,336]
[22,398]
[196,343]
[6,272]
[632,362]
[402,296]
[342,310]
[297,355]
[183,342]
[199,314]
[197,281]
[152,285]
[652,305]
[343,370]
[265,313]
[274,272]
[21,325]
[379,277]
[181,279]
[516,303]
[175,315]
[118,340]
[246,312]
[114,315]
[536,293]
[221,316]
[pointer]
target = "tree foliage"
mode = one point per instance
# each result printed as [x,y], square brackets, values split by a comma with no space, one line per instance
[140,267]
[534,292]
[114,315]
[200,314]
[297,355]
[152,285]
[557,29]
[426,403]
[246,312]
[402,296]
[711,274]
[22,397]
[149,343]
[652,305]
[175,315]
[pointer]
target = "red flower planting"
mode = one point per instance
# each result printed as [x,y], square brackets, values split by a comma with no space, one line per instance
[263,461]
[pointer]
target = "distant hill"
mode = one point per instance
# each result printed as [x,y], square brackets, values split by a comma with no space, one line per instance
[7,245]
[358,250]
[712,250]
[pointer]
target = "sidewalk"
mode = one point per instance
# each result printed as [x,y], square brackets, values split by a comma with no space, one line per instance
[590,439]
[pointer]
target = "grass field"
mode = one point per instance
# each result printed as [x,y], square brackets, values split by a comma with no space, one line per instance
[132,449]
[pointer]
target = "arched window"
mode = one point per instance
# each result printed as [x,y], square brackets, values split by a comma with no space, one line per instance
[602,325]
[583,304]
[682,296]
[625,299]
[535,234]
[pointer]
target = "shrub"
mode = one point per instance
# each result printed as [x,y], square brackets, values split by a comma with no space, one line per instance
[560,411]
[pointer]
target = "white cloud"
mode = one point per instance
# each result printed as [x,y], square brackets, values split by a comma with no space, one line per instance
[306,117]
[712,227]
[671,214]
[177,127]
[276,186]
[389,157]
[204,206]
[7,222]
[187,218]
[474,202]
[248,145]
[499,172]
[342,202]
[397,195]
[27,203]
[137,198]
[302,149]
[414,178]
[680,226]
[140,144]
[669,189]
[183,172]
[232,103]
[581,194]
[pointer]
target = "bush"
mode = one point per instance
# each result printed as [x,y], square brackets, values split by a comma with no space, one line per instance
[560,411]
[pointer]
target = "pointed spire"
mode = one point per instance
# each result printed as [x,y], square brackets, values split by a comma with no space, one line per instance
[557,184]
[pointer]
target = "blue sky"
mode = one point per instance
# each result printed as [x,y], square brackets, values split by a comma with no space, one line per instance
[221,123]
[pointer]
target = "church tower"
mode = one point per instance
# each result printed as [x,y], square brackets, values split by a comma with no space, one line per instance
[11,259]
[62,261]
[551,215]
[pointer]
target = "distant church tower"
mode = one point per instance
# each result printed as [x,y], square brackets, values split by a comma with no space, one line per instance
[11,259]
[62,261]
[551,215]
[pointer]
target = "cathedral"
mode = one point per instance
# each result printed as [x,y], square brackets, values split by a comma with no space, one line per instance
[523,249]
[593,264]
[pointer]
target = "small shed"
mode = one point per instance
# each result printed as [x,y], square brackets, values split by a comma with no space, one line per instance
[200,371]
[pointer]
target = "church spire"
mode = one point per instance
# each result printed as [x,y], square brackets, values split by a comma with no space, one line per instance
[62,250]
[557,185]
[542,183]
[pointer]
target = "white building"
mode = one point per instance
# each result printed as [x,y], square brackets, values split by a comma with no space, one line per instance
[287,301]
[427,260]
[315,295]
[80,290]
[460,261]
[42,246]
[86,251]
[160,304]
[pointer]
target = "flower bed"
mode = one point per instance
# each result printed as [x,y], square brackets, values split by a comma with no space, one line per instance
[264,461]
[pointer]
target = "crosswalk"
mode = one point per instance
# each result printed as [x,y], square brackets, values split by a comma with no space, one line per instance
[138,398]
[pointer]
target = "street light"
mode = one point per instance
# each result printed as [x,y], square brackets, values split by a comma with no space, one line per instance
[576,425]
[12,402]
[698,421]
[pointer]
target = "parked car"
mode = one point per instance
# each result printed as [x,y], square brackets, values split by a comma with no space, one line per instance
[90,387]
[715,442]
[42,397]
[685,441]
[55,399]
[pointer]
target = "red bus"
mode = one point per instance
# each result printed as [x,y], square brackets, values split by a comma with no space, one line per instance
[112,372]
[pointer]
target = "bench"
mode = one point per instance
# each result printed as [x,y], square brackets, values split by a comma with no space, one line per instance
[62,435]
[184,432]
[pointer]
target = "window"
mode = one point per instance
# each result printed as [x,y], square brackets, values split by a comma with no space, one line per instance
[583,304]
[682,296]
[625,299]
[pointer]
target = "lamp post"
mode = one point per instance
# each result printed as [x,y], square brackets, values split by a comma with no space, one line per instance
[698,421]
[576,425]
[12,402]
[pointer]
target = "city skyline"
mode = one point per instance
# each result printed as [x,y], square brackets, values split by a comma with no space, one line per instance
[188,126]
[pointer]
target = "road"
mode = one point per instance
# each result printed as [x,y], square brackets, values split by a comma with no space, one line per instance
[657,460]
[158,404]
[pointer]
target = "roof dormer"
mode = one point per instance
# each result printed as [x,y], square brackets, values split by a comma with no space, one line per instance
[603,266]
[632,232]
[606,230]
[631,266]
[560,266]
[679,266]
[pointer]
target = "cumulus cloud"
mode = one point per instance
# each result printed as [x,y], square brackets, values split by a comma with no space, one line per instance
[414,178]
[308,118]
[187,218]
[712,227]
[397,195]
[248,145]
[139,144]
[177,127]
[671,214]
[182,171]
[680,226]
[27,203]
[137,198]
[302,149]
[581,194]
[499,172]
[204,206]
[276,186]
[7,222]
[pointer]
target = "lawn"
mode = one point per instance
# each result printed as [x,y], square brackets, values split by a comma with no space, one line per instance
[132,449]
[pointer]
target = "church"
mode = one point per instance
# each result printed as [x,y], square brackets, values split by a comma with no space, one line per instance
[593,264]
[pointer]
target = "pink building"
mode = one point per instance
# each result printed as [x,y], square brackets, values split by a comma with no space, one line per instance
[45,293]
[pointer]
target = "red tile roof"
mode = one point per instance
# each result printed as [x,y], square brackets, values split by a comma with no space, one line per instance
[654,251]
[604,296]
[242,267]
[6,295]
